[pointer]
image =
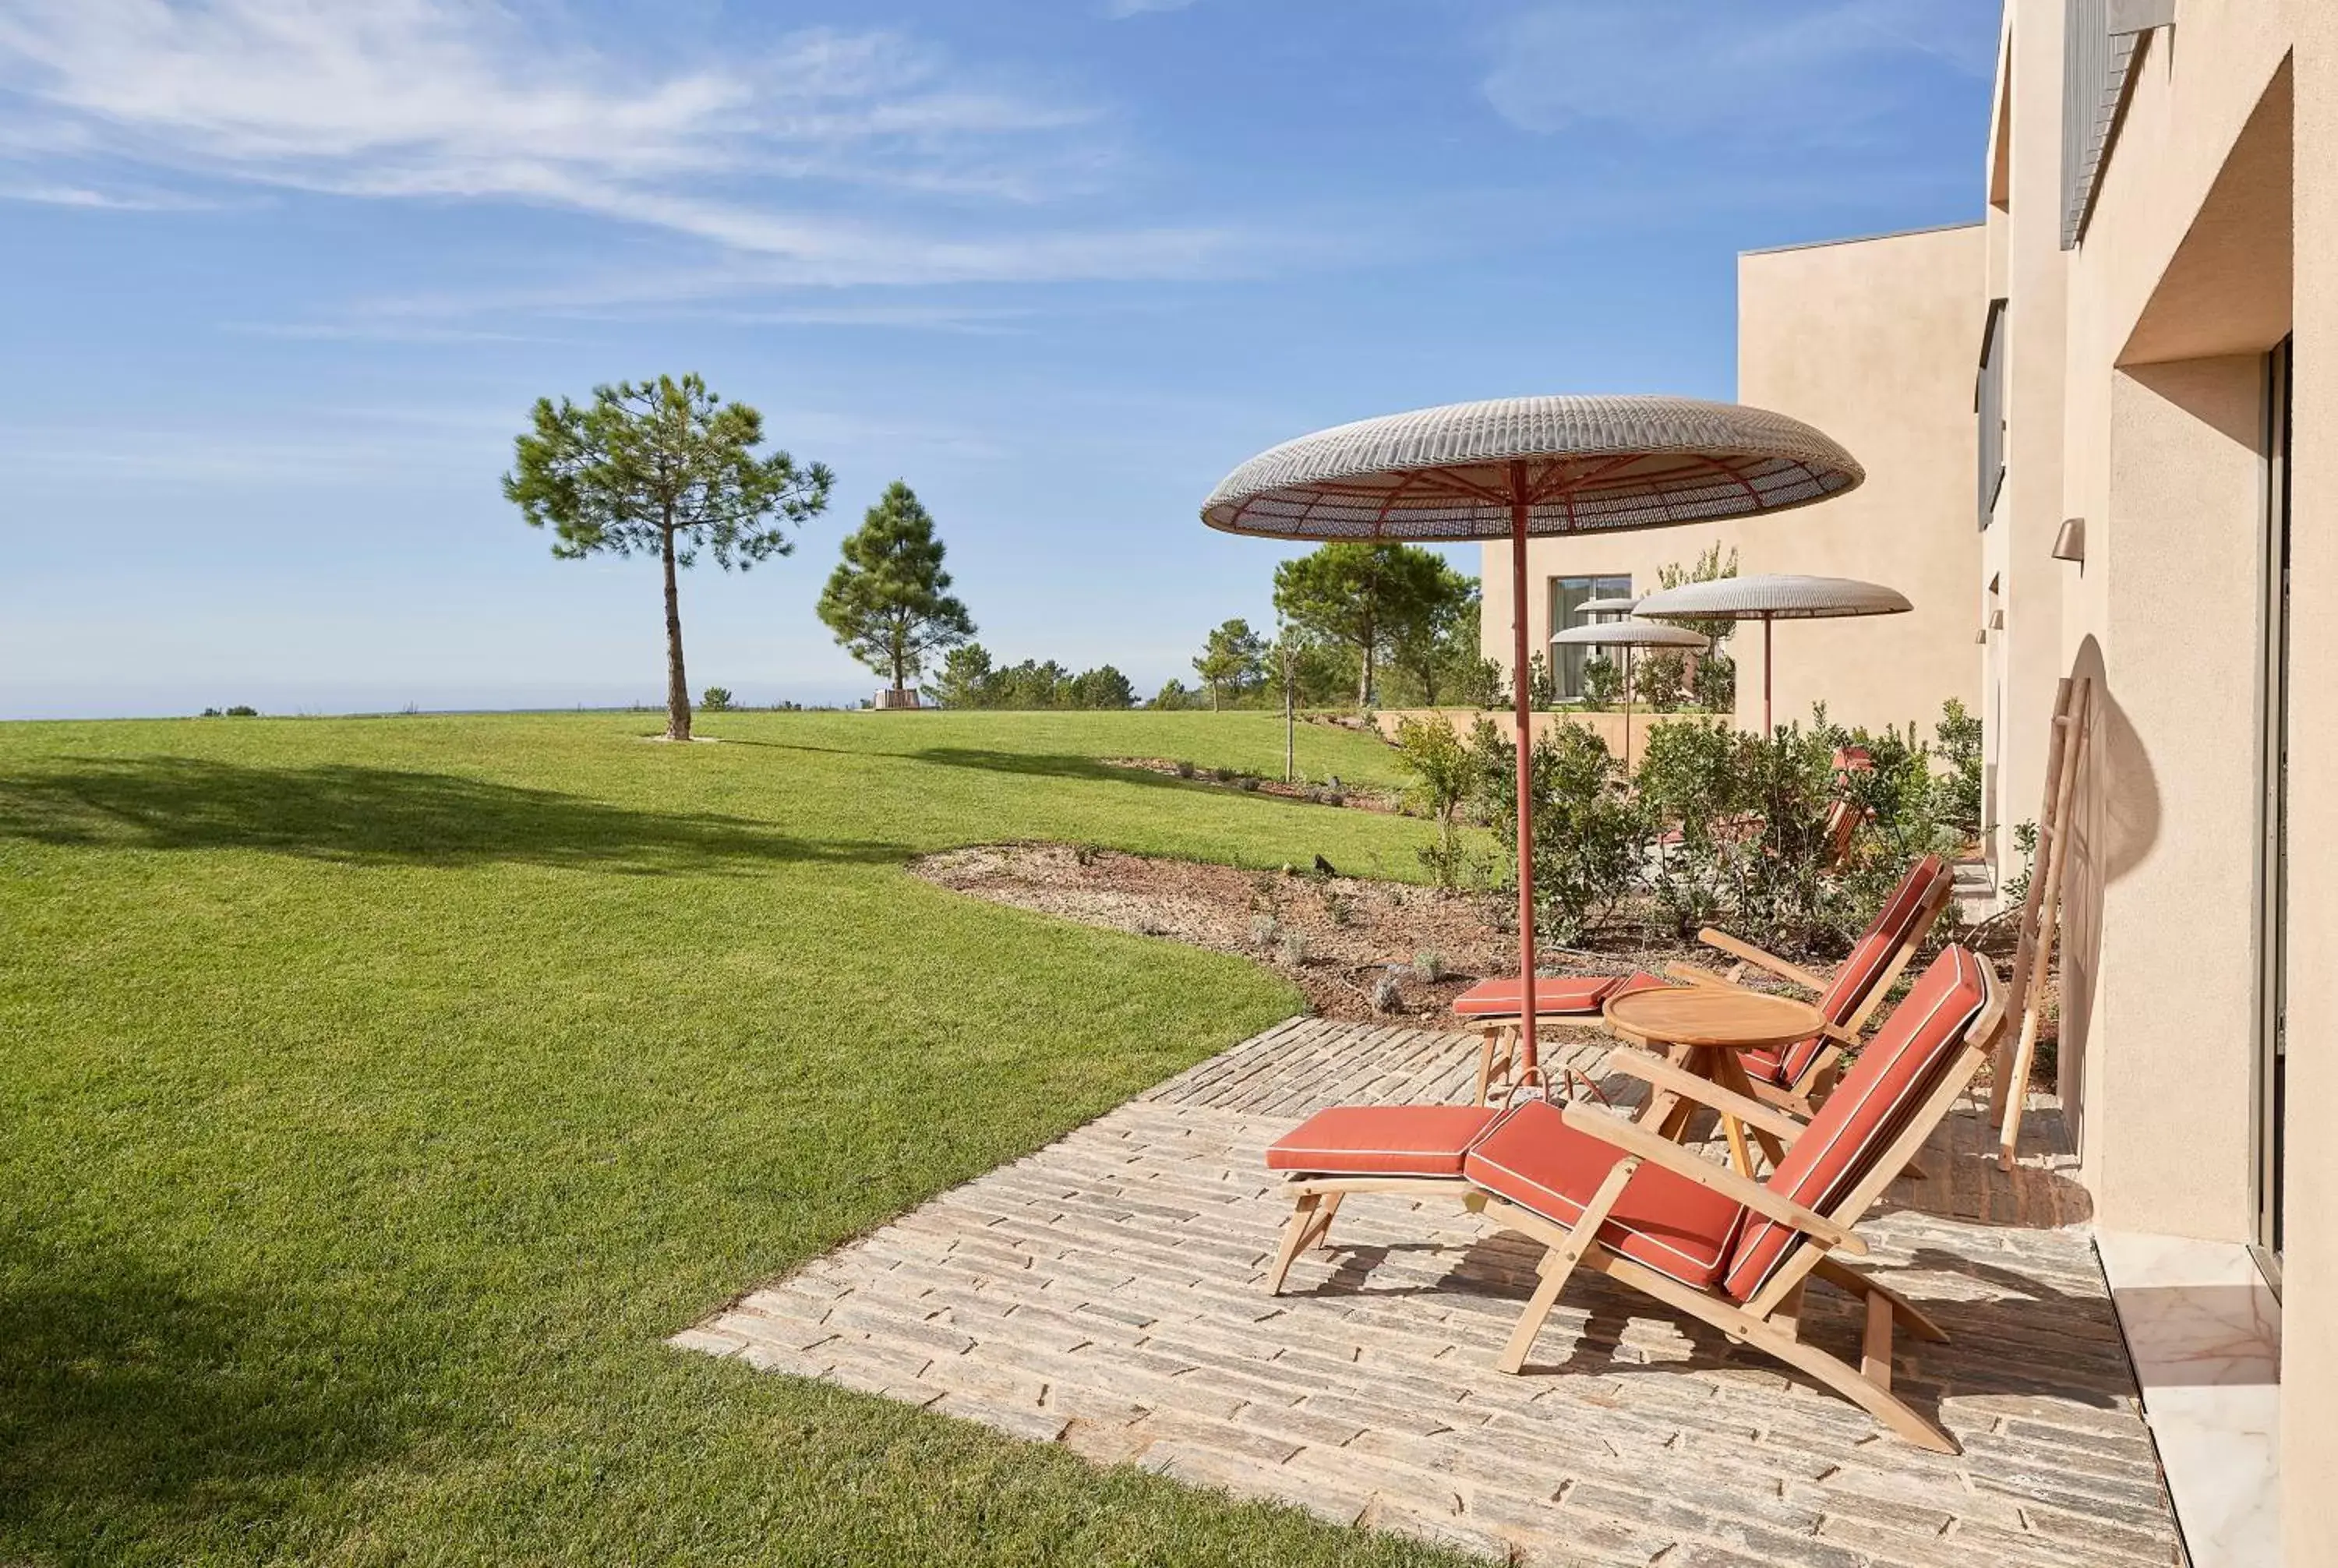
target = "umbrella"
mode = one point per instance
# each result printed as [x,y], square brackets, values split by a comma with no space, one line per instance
[1617,607]
[1523,466]
[1774,597]
[1631,636]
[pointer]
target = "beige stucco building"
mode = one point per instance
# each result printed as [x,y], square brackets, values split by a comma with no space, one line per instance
[1871,341]
[2101,429]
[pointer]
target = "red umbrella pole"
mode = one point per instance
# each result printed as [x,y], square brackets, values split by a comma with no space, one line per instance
[1528,1069]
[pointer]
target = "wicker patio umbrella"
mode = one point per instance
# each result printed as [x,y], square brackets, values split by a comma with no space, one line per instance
[1774,597]
[1621,606]
[1525,466]
[1631,636]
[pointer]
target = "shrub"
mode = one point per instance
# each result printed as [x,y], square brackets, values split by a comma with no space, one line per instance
[1428,968]
[1588,834]
[1443,776]
[1294,948]
[242,710]
[1223,775]
[1387,996]
[1247,783]
[1265,929]
[717,700]
[1186,770]
[1662,679]
[1338,908]
[1956,794]
[1603,683]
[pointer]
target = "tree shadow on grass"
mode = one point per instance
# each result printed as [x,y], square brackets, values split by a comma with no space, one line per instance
[376,816]
[132,1410]
[1057,765]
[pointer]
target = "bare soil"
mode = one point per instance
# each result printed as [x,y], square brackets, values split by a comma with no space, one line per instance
[1335,937]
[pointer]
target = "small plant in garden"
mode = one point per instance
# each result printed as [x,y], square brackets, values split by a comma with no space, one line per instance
[717,700]
[1084,853]
[1663,677]
[2025,843]
[1223,775]
[1428,968]
[1590,834]
[1247,783]
[1265,929]
[1387,996]
[1294,948]
[1603,683]
[1956,796]
[1186,770]
[1443,776]
[1338,908]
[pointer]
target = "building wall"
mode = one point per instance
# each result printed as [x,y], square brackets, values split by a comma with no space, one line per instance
[1873,341]
[2144,412]
[2309,1372]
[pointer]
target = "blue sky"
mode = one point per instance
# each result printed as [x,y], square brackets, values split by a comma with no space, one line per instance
[282,278]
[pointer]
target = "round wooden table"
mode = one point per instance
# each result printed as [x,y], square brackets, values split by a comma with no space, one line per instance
[1706,1026]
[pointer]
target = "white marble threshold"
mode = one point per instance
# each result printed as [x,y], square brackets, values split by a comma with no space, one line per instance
[2203,1331]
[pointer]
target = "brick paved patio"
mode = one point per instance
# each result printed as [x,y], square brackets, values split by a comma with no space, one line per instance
[1104,1294]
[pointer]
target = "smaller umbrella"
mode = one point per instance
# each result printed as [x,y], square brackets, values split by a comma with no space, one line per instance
[1615,606]
[1631,636]
[1776,596]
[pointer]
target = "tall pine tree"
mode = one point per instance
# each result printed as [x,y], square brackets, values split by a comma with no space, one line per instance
[887,601]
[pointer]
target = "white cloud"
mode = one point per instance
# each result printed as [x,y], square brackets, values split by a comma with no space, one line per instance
[1679,67]
[454,99]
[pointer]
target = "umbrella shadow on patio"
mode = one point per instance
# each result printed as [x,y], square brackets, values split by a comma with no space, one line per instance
[379,816]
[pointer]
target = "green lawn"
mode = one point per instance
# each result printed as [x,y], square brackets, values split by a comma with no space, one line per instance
[376,1094]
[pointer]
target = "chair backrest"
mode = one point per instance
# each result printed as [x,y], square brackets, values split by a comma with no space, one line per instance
[1887,1092]
[1900,925]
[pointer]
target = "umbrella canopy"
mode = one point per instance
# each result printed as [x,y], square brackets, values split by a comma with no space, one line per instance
[1779,596]
[1518,467]
[1576,465]
[1633,634]
[1776,597]
[1622,606]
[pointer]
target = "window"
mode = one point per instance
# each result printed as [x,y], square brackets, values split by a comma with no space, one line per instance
[1567,597]
[1988,405]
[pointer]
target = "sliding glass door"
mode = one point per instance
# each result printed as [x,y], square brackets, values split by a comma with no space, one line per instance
[2272,814]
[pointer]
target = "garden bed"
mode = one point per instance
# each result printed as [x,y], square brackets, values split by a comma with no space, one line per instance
[1335,937]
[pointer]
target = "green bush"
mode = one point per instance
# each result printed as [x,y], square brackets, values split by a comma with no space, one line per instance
[1588,833]
[1444,775]
[716,700]
[1603,683]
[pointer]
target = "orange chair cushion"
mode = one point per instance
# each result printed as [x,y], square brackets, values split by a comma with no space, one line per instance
[1502,998]
[1537,1161]
[1861,971]
[1867,1110]
[1382,1141]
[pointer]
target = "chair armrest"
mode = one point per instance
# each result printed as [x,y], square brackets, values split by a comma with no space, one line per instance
[1659,1073]
[1745,952]
[1628,1138]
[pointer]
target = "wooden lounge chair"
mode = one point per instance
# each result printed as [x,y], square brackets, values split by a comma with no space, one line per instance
[1604,1193]
[1797,1078]
[1493,1008]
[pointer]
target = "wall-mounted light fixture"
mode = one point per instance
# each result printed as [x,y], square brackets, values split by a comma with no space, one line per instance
[2070,544]
[1997,620]
[1982,635]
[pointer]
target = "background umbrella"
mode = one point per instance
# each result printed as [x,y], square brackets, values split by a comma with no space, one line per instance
[1630,635]
[1523,466]
[1774,597]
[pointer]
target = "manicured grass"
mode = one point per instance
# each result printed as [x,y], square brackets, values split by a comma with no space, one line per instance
[375,1096]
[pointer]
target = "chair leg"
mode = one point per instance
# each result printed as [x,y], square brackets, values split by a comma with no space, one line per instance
[1910,1315]
[1295,1238]
[1559,1263]
[1320,1233]
[1876,1399]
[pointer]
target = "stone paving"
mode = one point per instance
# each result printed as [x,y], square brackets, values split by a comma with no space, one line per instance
[1104,1294]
